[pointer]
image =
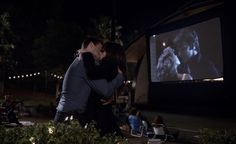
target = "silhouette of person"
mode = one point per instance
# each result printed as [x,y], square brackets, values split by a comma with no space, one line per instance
[187,45]
[10,104]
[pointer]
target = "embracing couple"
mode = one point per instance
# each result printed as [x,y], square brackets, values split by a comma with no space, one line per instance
[90,82]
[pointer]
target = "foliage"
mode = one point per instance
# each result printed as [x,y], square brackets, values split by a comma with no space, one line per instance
[224,136]
[6,38]
[62,133]
[103,27]
[4,19]
[7,61]
[53,50]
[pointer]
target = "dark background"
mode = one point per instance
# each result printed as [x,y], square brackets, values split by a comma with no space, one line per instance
[29,21]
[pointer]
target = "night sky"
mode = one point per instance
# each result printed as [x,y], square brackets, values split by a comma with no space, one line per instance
[130,14]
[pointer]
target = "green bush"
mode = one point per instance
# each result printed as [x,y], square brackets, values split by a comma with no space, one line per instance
[62,133]
[225,136]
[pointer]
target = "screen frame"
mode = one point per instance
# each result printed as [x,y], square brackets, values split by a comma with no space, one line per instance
[182,23]
[197,97]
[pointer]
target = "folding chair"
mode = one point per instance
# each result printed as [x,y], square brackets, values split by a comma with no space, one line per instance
[137,133]
[160,132]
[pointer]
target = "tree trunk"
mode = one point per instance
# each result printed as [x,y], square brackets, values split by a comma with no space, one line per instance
[2,75]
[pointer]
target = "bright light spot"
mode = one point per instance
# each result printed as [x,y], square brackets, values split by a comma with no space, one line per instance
[35,74]
[14,77]
[86,126]
[27,75]
[71,117]
[164,44]
[153,35]
[9,77]
[18,76]
[50,130]
[32,140]
[216,79]
[22,76]
[133,84]
[38,73]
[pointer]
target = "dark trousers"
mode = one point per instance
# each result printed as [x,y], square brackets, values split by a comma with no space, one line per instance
[106,121]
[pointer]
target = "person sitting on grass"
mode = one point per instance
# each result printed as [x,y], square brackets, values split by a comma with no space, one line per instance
[135,123]
[9,104]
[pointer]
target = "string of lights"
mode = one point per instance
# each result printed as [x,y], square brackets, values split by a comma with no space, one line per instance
[22,76]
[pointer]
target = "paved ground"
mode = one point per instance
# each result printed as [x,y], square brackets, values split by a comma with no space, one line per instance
[189,125]
[194,123]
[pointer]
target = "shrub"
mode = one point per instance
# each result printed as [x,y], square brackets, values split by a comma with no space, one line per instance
[224,136]
[62,133]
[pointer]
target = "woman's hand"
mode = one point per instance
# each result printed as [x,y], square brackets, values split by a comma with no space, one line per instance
[120,71]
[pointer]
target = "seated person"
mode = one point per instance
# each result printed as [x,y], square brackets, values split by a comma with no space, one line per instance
[159,127]
[139,125]
[161,131]
[136,125]
[9,104]
[144,121]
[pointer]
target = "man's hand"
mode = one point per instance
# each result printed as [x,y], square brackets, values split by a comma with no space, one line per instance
[107,101]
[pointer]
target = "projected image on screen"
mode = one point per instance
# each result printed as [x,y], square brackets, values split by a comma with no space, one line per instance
[190,53]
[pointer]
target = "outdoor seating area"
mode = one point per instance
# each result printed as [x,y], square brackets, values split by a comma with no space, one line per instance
[117,72]
[185,136]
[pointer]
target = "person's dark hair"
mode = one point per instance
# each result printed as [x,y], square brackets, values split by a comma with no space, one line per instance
[190,37]
[116,52]
[132,111]
[93,39]
[166,62]
[158,120]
